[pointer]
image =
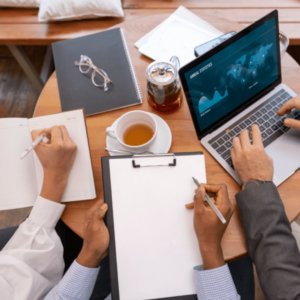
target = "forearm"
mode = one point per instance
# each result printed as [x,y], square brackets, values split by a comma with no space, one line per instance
[270,242]
[212,256]
[54,186]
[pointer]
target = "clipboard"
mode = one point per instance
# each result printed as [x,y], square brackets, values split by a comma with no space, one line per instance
[146,166]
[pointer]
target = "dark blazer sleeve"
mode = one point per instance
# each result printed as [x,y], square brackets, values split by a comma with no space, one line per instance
[270,242]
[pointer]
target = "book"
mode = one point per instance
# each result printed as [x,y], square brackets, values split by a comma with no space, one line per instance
[178,35]
[22,179]
[109,51]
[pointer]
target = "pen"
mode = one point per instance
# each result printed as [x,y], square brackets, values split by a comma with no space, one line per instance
[210,202]
[33,145]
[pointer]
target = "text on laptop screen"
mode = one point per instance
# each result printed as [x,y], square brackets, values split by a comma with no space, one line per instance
[234,75]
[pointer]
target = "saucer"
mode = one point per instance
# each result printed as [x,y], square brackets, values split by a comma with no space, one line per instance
[162,143]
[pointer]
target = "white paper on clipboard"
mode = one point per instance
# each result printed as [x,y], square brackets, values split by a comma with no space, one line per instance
[156,247]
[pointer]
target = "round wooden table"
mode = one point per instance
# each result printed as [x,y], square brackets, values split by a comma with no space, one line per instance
[184,135]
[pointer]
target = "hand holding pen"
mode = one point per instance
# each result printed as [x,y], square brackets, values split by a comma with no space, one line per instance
[208,227]
[211,203]
[57,157]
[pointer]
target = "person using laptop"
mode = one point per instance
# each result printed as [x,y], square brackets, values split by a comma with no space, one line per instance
[239,83]
[288,108]
[270,242]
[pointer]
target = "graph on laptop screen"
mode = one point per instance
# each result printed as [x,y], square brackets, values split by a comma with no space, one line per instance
[234,75]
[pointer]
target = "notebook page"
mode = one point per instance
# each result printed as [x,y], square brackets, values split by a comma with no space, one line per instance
[17,176]
[81,181]
[156,247]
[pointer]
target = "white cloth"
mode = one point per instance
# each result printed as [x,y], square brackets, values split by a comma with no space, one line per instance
[31,263]
[61,10]
[20,3]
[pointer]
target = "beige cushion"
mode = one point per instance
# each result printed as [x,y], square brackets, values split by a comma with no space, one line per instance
[61,10]
[20,3]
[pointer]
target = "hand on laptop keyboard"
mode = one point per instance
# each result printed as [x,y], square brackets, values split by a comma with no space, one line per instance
[287,109]
[251,161]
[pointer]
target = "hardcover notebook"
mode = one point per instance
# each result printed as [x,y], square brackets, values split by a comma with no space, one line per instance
[109,51]
[21,179]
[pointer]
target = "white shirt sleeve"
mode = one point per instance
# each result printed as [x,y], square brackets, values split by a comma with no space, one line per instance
[31,263]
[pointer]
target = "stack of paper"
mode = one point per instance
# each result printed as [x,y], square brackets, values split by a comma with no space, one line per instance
[178,35]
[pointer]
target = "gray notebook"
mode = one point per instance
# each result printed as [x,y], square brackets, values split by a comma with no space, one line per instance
[109,51]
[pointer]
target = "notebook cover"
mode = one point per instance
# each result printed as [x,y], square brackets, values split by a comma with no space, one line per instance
[109,220]
[107,51]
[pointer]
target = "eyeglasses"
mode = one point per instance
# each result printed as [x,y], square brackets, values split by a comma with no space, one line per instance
[99,76]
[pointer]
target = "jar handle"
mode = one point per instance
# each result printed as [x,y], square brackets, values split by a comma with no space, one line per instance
[175,61]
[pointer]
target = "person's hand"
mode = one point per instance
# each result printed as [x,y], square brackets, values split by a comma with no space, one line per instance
[286,109]
[208,227]
[251,161]
[57,157]
[95,237]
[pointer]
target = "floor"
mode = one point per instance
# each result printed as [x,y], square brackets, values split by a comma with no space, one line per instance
[18,99]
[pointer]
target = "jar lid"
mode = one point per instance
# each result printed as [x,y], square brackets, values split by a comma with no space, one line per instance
[161,73]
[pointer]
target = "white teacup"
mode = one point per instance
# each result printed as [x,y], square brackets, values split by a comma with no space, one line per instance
[127,120]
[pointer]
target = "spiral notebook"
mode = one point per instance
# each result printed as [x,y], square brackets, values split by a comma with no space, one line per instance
[109,51]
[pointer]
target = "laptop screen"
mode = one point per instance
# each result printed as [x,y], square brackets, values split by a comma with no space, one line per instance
[233,75]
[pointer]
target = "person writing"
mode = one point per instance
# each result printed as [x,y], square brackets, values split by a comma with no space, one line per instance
[270,242]
[31,263]
[213,278]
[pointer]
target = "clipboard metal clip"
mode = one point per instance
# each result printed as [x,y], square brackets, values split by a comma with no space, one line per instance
[155,155]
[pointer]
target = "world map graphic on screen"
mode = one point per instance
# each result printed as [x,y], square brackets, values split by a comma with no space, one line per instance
[234,74]
[245,69]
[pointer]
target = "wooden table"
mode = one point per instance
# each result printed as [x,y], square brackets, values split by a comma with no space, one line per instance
[21,26]
[184,135]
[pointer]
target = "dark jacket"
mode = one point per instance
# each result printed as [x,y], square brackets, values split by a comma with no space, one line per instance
[271,245]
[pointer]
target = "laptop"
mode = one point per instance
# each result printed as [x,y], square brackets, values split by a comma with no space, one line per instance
[236,84]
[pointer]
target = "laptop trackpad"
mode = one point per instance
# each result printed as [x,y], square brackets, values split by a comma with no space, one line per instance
[285,152]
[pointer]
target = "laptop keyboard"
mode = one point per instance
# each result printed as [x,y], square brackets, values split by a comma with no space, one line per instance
[265,116]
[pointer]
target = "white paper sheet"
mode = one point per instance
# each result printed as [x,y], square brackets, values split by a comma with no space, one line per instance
[81,181]
[156,246]
[183,13]
[178,37]
[17,176]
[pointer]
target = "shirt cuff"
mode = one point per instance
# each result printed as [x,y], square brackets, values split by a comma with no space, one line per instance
[78,282]
[215,284]
[46,213]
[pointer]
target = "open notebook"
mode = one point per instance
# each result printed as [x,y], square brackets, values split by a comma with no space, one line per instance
[21,180]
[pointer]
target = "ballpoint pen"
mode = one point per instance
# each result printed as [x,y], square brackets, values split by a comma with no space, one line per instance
[33,145]
[210,202]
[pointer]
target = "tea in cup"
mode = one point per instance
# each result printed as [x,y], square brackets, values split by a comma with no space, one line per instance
[135,131]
